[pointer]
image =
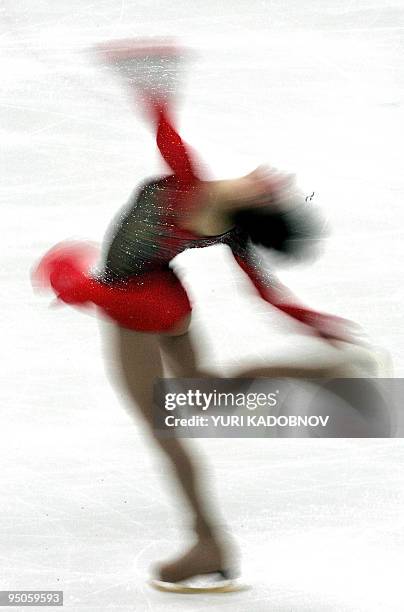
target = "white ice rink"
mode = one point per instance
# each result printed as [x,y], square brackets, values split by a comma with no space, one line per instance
[311,86]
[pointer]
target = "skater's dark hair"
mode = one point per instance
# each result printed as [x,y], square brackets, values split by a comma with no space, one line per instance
[292,232]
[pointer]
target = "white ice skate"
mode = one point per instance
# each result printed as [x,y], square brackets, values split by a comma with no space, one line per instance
[197,571]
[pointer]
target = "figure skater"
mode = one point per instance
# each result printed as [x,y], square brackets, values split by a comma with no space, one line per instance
[137,289]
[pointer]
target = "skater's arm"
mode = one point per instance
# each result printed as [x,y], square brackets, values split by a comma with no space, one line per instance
[173,149]
[278,295]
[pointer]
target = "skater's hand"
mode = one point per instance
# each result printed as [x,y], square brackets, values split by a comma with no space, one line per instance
[262,187]
[336,329]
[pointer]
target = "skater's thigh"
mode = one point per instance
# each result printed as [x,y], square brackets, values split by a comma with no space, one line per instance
[133,363]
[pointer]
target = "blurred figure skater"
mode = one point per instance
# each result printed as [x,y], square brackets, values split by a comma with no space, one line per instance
[138,290]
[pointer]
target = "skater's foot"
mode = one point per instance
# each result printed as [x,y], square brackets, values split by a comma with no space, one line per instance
[205,557]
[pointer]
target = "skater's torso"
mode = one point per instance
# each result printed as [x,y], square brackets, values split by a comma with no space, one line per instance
[150,232]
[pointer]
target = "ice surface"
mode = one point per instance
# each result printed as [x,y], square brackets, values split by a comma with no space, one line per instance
[311,87]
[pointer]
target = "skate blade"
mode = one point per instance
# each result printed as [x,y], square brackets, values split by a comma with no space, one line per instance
[222,586]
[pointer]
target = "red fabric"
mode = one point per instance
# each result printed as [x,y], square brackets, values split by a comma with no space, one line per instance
[152,302]
[173,149]
[156,301]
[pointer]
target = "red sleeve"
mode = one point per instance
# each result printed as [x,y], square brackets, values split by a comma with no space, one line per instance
[173,149]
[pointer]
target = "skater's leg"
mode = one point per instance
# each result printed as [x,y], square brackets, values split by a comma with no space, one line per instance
[339,363]
[178,355]
[341,360]
[139,364]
